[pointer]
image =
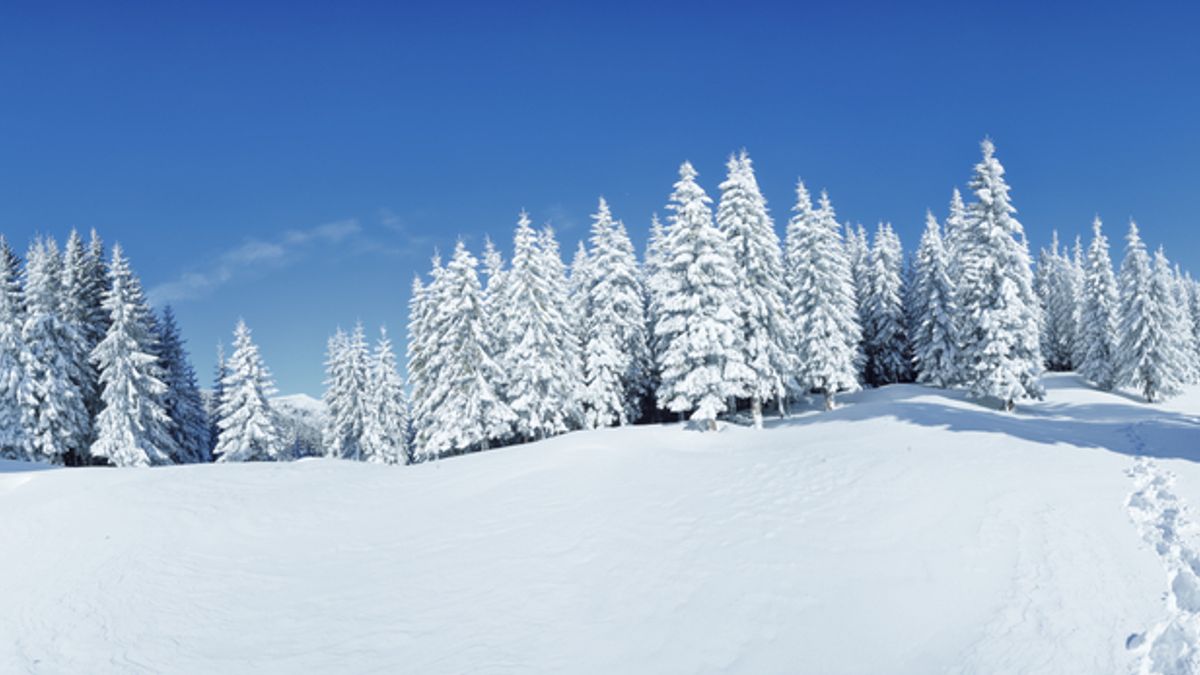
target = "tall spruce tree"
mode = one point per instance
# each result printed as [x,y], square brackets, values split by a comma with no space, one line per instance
[884,332]
[822,298]
[1098,314]
[76,314]
[935,336]
[181,400]
[213,403]
[768,335]
[463,411]
[1001,348]
[133,428]
[12,371]
[249,430]
[542,384]
[53,415]
[702,361]
[385,430]
[346,394]
[1146,359]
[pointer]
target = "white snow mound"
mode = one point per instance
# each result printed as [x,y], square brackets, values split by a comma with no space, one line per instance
[909,531]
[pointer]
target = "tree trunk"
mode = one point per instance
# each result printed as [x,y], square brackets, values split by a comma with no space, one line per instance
[783,406]
[712,425]
[828,400]
[756,407]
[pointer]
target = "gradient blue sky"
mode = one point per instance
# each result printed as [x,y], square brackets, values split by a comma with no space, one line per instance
[296,163]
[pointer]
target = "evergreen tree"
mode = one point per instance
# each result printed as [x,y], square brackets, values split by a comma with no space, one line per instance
[1098,315]
[702,360]
[858,251]
[133,428]
[1058,291]
[463,410]
[12,373]
[767,333]
[182,402]
[1184,322]
[496,316]
[385,430]
[53,415]
[823,301]
[426,359]
[935,338]
[1146,357]
[542,385]
[1001,351]
[884,331]
[248,428]
[616,352]
[213,404]
[346,394]
[956,231]
[75,313]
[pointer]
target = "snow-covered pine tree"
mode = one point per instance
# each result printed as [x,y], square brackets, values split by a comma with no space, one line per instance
[1183,326]
[1098,314]
[885,338]
[1145,357]
[12,372]
[133,428]
[822,300]
[97,286]
[426,359]
[248,428]
[858,251]
[182,401]
[212,405]
[702,360]
[768,334]
[579,285]
[385,430]
[956,225]
[1194,305]
[571,344]
[76,314]
[1078,348]
[651,268]
[53,415]
[496,313]
[542,384]
[463,410]
[1000,342]
[935,338]
[346,394]
[1058,291]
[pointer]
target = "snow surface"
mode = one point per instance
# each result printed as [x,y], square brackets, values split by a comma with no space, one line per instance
[909,531]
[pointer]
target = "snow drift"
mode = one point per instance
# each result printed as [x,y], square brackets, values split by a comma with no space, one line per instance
[909,531]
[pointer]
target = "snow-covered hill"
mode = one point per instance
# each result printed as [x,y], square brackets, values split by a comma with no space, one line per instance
[907,532]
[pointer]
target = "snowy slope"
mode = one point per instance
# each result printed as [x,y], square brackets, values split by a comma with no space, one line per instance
[907,532]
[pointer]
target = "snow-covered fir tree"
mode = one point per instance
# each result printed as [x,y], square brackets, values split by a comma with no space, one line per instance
[570,343]
[12,370]
[346,394]
[184,406]
[248,428]
[1145,357]
[133,428]
[651,269]
[935,337]
[1184,322]
[1001,351]
[213,401]
[702,361]
[425,359]
[956,227]
[76,313]
[463,411]
[53,415]
[822,298]
[385,426]
[858,252]
[616,351]
[496,312]
[768,336]
[1058,290]
[1099,303]
[884,335]
[542,385]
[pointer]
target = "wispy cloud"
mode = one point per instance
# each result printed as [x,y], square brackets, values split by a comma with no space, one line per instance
[251,255]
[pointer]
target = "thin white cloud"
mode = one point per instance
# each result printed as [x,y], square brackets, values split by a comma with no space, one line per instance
[242,259]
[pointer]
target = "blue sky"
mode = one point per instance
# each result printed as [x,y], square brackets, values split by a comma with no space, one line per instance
[296,163]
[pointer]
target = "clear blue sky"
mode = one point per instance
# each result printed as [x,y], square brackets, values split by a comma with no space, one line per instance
[296,163]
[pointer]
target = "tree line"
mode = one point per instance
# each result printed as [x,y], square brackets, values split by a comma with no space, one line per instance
[719,318]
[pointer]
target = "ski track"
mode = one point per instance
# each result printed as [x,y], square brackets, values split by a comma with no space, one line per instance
[1171,647]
